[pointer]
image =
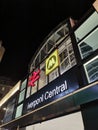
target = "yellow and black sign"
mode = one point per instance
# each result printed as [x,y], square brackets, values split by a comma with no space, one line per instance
[52,62]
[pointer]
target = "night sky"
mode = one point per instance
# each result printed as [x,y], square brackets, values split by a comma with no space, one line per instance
[25,23]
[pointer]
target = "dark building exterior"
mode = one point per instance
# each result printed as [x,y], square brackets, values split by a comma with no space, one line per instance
[62,79]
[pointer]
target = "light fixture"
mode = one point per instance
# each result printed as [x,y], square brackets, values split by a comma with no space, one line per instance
[4,109]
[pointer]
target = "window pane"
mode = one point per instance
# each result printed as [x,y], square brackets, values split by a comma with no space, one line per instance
[72,59]
[21,96]
[70,48]
[91,69]
[19,110]
[28,91]
[37,60]
[89,44]
[56,37]
[23,84]
[65,65]
[67,57]
[43,54]
[50,46]
[87,26]
[34,88]
[61,33]
[53,75]
[43,77]
[9,111]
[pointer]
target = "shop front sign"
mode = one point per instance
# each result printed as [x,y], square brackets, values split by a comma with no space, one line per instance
[57,89]
[52,62]
[33,78]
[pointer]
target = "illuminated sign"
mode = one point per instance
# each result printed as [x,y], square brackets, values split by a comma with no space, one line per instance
[65,84]
[52,62]
[33,78]
[48,95]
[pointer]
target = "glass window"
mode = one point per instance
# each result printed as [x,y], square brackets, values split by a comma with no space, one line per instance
[67,57]
[34,88]
[21,96]
[9,111]
[64,66]
[91,69]
[53,75]
[19,111]
[43,54]
[89,44]
[43,77]
[23,84]
[37,60]
[72,60]
[50,45]
[32,66]
[61,33]
[56,37]
[87,26]
[28,91]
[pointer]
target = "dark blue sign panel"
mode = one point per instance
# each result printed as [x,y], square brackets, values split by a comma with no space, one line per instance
[60,87]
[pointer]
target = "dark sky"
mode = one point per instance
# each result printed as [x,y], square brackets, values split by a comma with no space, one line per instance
[25,24]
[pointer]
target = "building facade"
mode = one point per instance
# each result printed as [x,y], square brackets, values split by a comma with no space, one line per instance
[62,83]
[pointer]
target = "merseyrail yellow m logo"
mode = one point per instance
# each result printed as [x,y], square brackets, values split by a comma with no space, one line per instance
[52,62]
